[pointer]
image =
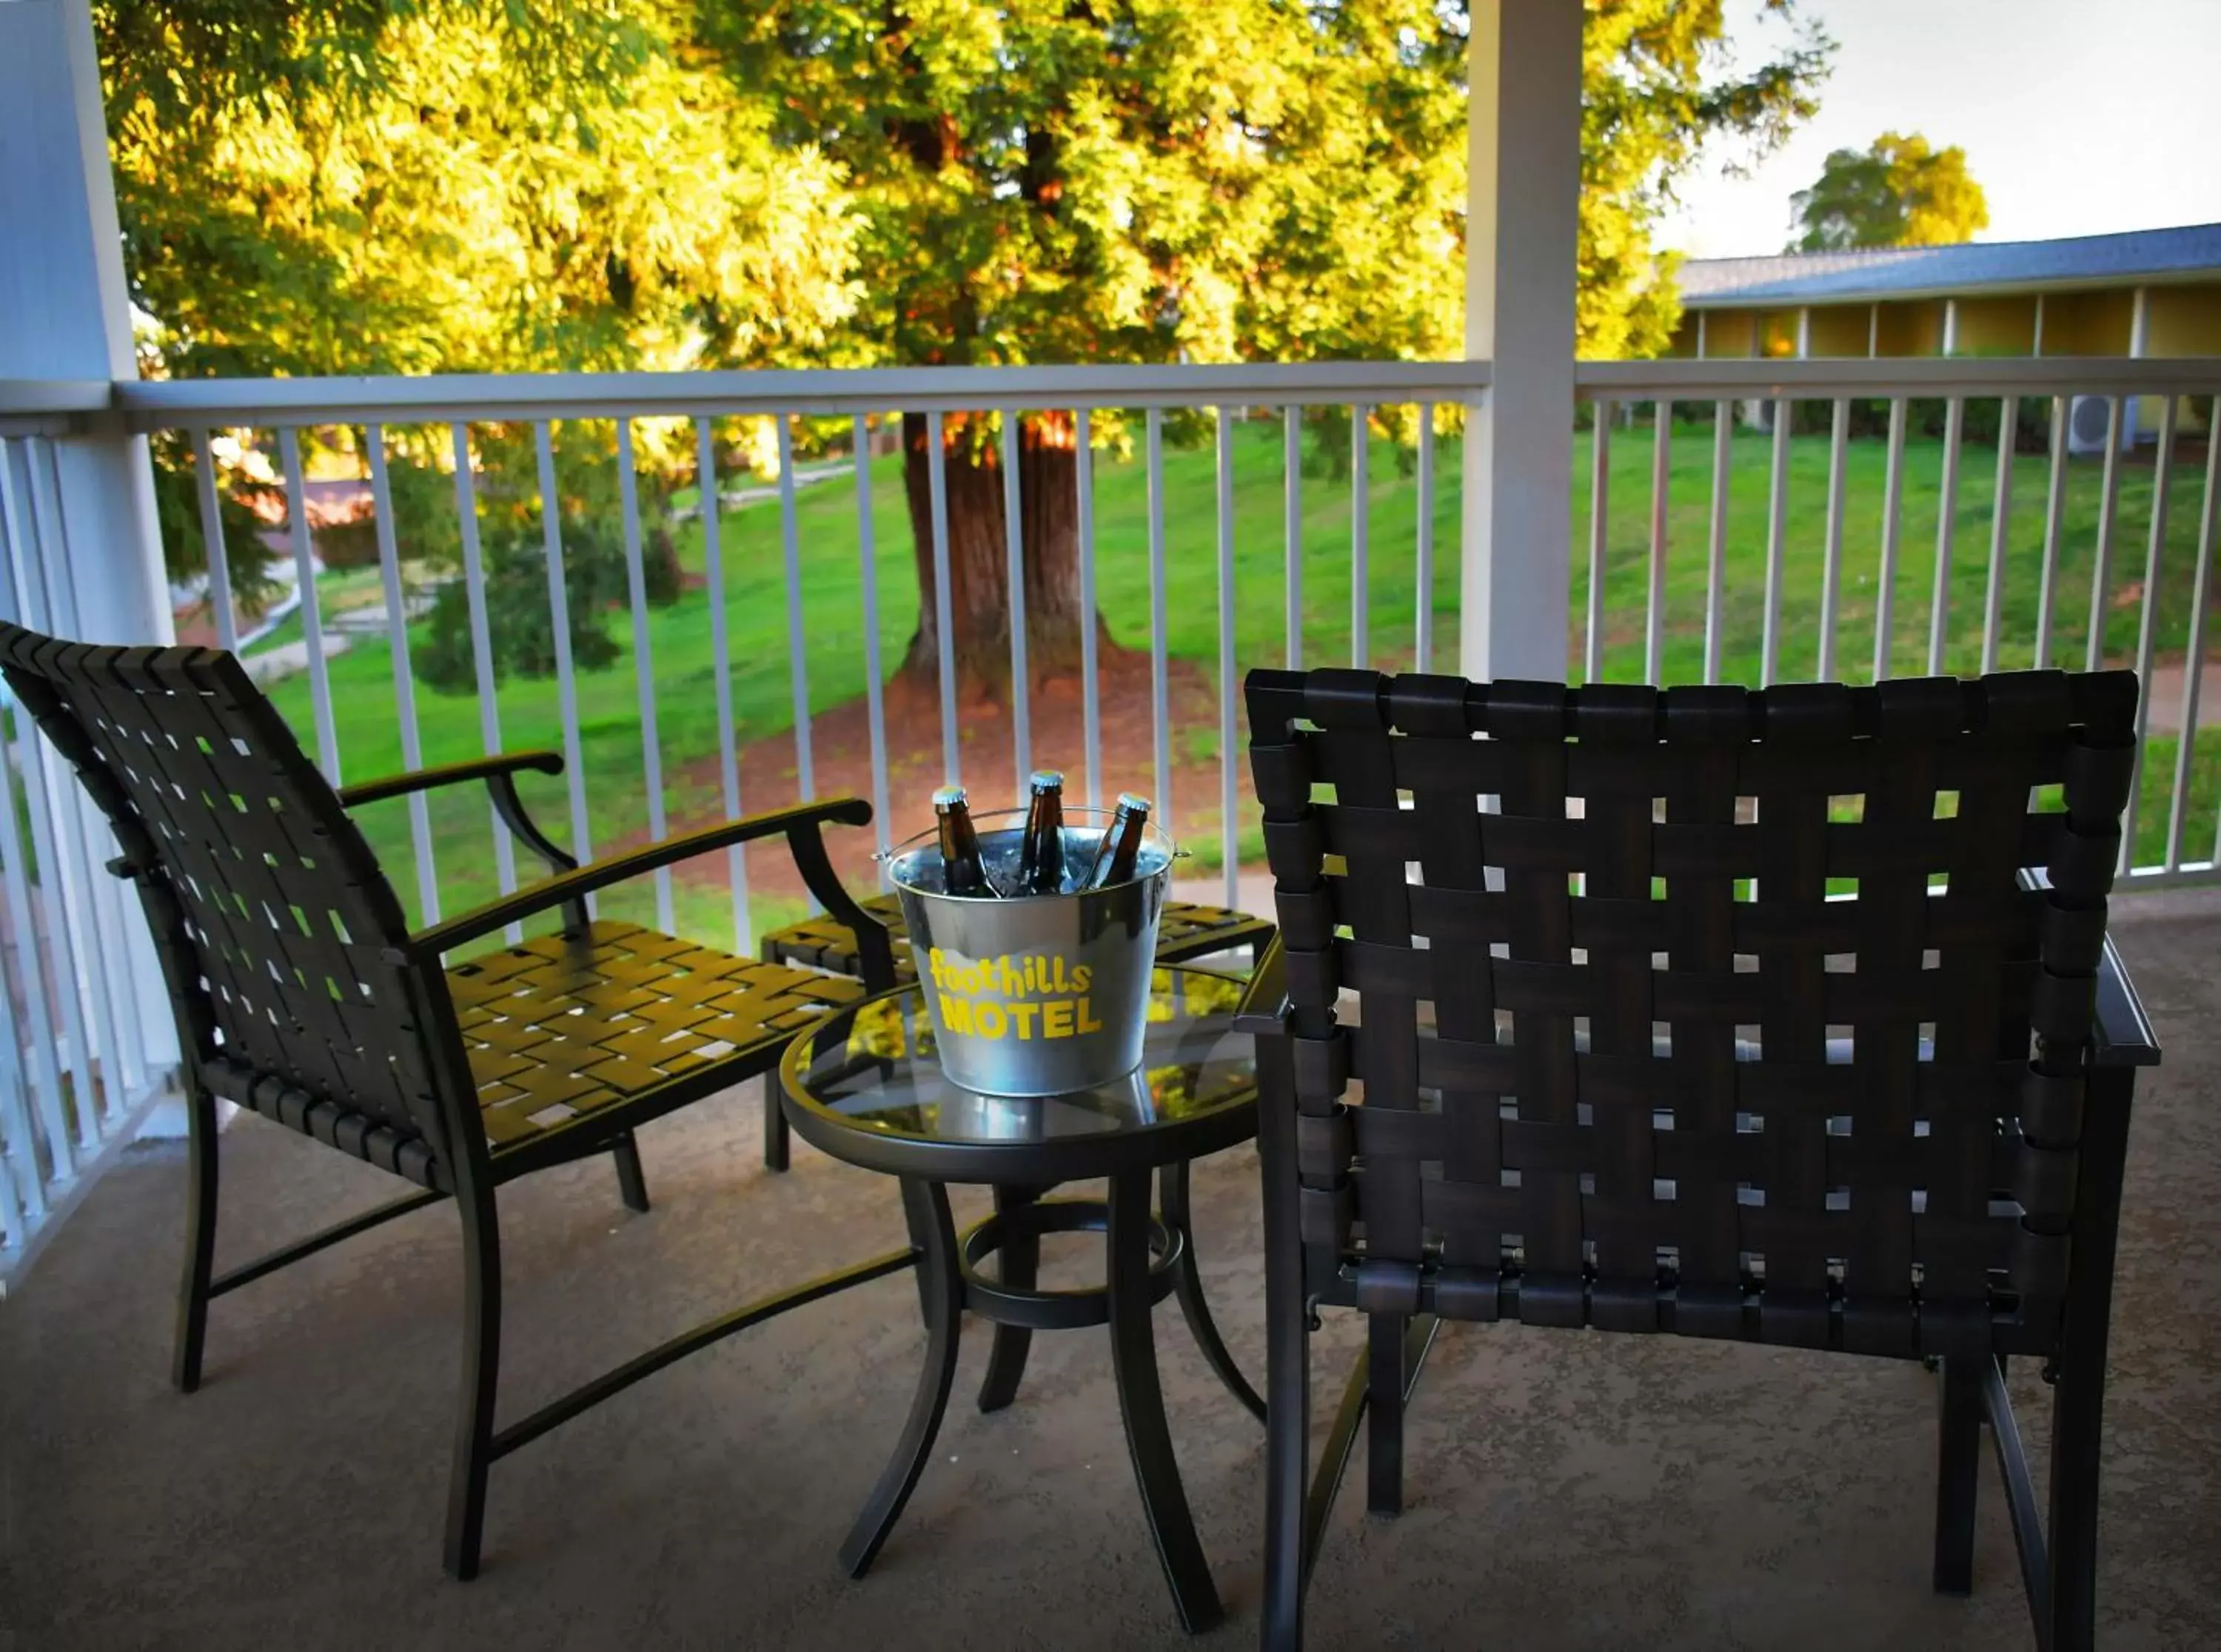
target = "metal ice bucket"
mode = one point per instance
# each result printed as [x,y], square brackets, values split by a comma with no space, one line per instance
[1038,994]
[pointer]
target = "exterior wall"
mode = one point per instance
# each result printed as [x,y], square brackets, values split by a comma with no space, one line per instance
[2185,320]
[2089,323]
[1839,330]
[1729,333]
[1777,334]
[1997,327]
[1911,329]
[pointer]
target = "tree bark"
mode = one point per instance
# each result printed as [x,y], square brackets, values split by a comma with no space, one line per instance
[979,553]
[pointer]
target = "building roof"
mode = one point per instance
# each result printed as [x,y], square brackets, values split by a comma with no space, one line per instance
[1911,271]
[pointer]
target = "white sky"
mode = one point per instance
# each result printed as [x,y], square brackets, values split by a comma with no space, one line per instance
[2079,118]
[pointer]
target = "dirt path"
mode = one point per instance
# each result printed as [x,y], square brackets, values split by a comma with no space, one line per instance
[842,754]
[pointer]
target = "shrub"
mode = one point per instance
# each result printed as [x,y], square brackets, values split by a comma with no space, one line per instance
[522,629]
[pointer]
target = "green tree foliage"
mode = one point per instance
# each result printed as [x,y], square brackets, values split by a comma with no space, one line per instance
[344,186]
[1661,93]
[384,186]
[1901,192]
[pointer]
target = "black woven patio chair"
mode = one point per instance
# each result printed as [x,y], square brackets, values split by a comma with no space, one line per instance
[300,992]
[1625,1063]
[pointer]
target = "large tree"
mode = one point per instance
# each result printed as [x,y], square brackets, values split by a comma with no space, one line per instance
[361,185]
[1155,180]
[1901,191]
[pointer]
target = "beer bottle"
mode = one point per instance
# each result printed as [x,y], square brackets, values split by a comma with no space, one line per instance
[1120,851]
[1041,852]
[963,870]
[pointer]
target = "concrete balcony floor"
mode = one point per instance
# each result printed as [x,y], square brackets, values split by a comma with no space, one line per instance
[1564,1491]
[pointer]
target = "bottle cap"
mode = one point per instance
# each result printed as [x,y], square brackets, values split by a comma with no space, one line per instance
[1045,780]
[1132,803]
[947,797]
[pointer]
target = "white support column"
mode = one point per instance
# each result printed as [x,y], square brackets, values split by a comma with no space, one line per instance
[1950,327]
[2133,411]
[1523,199]
[66,313]
[1804,332]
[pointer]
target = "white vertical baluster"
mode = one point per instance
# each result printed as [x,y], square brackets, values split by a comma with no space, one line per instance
[721,671]
[1662,490]
[2055,522]
[60,933]
[867,571]
[1014,548]
[1292,529]
[2109,509]
[482,659]
[805,771]
[1947,511]
[1777,546]
[1361,536]
[219,558]
[567,681]
[1092,701]
[1831,565]
[1423,644]
[22,1201]
[1715,572]
[2001,533]
[1227,851]
[405,680]
[643,665]
[1599,476]
[96,936]
[936,472]
[2148,626]
[1892,523]
[22,925]
[1159,698]
[2193,665]
[312,624]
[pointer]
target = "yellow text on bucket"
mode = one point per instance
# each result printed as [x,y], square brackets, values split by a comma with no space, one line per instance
[1023,998]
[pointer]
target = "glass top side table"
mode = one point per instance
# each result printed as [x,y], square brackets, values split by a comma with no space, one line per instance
[863,1086]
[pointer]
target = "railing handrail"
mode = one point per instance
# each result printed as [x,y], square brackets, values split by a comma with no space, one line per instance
[1820,378]
[433,398]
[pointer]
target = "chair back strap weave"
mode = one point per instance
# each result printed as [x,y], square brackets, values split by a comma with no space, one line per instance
[279,935]
[1708,1010]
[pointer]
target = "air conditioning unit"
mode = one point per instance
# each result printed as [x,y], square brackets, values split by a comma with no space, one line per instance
[2086,418]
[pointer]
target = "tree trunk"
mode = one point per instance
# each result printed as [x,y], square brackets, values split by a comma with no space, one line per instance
[978,555]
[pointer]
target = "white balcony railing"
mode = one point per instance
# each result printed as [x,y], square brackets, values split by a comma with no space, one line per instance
[1779,520]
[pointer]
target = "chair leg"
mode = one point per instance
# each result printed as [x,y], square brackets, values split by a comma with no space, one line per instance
[1958,1472]
[2076,1436]
[775,1127]
[1384,1414]
[466,1483]
[200,1241]
[632,1182]
[1287,1362]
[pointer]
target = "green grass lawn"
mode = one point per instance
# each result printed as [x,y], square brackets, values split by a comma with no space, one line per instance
[679,638]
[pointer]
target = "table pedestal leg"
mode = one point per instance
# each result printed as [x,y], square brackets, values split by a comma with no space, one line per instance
[925,1205]
[1018,1262]
[1187,1282]
[1141,1404]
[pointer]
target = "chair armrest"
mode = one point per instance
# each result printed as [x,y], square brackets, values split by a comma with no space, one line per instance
[499,772]
[2124,1037]
[451,774]
[798,824]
